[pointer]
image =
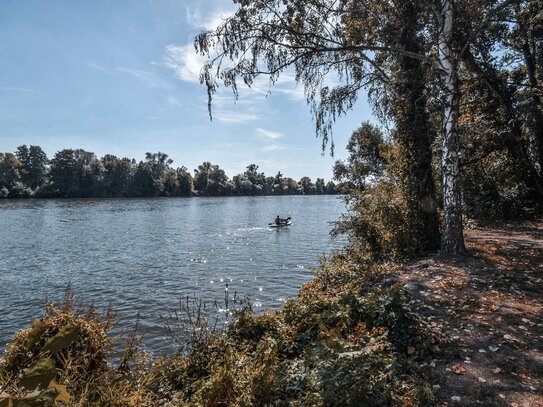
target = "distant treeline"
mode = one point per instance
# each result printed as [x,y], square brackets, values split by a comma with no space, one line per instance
[80,174]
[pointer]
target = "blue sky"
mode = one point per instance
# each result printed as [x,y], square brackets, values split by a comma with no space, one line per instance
[121,77]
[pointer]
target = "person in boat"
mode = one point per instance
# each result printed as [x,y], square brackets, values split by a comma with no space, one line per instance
[278,220]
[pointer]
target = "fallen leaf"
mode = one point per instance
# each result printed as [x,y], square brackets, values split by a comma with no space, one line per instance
[496,370]
[458,369]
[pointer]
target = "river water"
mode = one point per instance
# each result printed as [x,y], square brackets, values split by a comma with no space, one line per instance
[143,255]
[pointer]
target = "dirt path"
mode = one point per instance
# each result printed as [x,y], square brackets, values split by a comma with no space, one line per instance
[490,307]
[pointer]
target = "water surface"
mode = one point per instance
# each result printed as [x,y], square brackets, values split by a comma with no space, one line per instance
[143,255]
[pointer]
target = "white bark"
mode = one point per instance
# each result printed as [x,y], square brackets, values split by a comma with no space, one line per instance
[453,234]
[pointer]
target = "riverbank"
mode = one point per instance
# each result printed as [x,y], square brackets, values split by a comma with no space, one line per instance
[438,331]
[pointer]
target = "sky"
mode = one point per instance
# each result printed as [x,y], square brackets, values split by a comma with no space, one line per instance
[121,77]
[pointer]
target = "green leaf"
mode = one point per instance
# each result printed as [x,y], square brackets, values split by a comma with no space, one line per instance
[34,335]
[64,338]
[39,374]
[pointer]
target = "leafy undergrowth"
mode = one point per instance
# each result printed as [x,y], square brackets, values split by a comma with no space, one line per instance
[353,338]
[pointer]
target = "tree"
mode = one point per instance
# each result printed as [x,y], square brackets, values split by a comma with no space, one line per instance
[144,182]
[307,186]
[186,182]
[9,173]
[453,45]
[170,183]
[506,88]
[524,41]
[251,182]
[117,175]
[201,176]
[76,173]
[218,181]
[403,98]
[351,39]
[158,162]
[33,165]
[331,188]
[365,161]
[63,173]
[210,179]
[320,186]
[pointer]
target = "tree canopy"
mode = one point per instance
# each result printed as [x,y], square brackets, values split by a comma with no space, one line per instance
[79,173]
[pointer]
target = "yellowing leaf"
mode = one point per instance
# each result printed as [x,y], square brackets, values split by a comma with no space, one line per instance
[63,394]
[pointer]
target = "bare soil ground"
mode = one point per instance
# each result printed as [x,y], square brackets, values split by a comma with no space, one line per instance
[489,307]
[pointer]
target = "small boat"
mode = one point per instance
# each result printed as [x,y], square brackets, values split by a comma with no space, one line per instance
[281,225]
[284,223]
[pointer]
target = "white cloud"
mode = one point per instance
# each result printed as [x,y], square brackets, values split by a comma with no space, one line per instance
[268,134]
[195,20]
[16,89]
[185,62]
[285,85]
[136,73]
[173,101]
[148,78]
[276,147]
[234,117]
[187,65]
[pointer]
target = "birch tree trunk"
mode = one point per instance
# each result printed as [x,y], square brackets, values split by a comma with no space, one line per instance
[452,241]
